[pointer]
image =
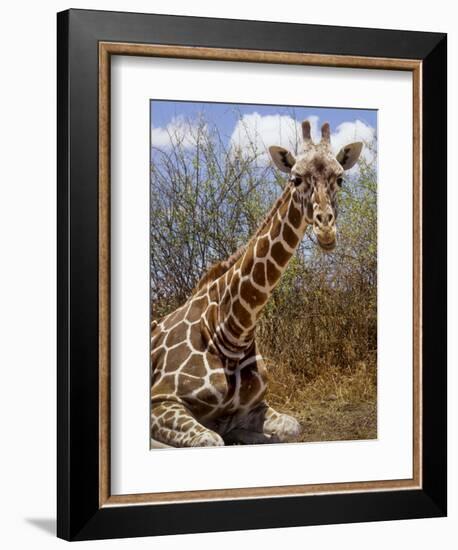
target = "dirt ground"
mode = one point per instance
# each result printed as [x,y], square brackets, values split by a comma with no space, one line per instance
[334,406]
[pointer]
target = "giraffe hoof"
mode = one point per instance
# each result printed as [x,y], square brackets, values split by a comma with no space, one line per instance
[207,439]
[285,428]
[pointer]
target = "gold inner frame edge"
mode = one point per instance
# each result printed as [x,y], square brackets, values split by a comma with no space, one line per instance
[106,50]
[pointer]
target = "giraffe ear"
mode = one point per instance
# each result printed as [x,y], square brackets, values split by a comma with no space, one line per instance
[349,155]
[282,158]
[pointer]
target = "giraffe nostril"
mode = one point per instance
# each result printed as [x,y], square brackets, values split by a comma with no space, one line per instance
[324,219]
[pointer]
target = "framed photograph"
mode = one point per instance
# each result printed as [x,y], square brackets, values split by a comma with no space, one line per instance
[252,274]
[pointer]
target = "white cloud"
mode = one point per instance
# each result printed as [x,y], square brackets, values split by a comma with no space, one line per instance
[349,132]
[177,131]
[255,133]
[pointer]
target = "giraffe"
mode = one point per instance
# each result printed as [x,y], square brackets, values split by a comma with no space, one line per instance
[208,379]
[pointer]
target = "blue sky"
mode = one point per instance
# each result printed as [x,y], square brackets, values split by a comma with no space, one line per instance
[227,114]
[242,125]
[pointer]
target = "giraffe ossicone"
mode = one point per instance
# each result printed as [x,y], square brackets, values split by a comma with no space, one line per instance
[208,380]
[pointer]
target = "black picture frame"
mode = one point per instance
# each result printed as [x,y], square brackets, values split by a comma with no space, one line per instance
[79,514]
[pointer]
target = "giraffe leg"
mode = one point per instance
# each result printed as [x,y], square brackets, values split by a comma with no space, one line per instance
[260,418]
[173,425]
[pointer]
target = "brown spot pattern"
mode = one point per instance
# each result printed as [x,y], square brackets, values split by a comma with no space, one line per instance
[186,384]
[262,248]
[196,310]
[212,315]
[176,357]
[279,254]
[243,315]
[213,292]
[197,341]
[252,295]
[234,286]
[213,361]
[294,216]
[289,236]
[176,335]
[157,357]
[165,386]
[195,366]
[247,262]
[173,318]
[283,210]
[273,273]
[276,228]
[233,327]
[158,338]
[259,274]
[207,396]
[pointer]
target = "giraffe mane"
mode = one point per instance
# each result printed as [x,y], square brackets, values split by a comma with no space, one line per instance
[219,268]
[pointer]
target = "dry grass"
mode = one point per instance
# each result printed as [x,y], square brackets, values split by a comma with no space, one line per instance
[334,405]
[320,346]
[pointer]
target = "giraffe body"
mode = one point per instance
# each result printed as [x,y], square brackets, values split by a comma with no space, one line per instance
[208,379]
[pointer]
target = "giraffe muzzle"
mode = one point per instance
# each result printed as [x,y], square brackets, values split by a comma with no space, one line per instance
[327,245]
[324,227]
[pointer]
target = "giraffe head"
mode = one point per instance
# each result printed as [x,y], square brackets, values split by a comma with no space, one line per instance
[316,174]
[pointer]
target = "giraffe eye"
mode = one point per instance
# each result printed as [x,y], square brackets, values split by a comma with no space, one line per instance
[297,180]
[339,182]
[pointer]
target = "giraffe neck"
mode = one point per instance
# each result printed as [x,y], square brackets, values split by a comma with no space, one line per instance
[246,288]
[221,267]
